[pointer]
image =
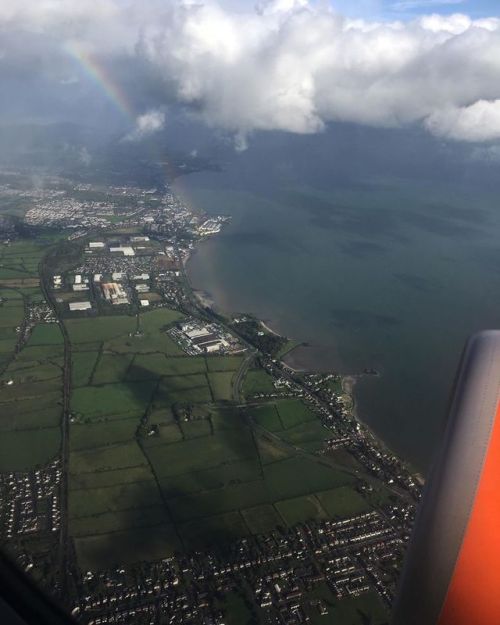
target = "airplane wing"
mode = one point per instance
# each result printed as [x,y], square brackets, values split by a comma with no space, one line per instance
[452,571]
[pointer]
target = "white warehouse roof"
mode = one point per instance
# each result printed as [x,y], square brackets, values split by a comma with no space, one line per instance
[80,305]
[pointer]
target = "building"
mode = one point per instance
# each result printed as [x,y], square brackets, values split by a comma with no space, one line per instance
[144,302]
[209,337]
[196,332]
[114,292]
[96,244]
[203,338]
[210,226]
[97,277]
[117,275]
[212,347]
[126,250]
[142,288]
[139,239]
[80,306]
[80,287]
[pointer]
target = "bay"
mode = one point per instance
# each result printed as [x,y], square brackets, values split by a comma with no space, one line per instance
[370,271]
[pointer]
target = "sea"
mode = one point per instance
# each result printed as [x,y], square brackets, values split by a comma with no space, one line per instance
[372,263]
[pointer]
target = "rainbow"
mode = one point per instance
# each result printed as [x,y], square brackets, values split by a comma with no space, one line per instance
[99,74]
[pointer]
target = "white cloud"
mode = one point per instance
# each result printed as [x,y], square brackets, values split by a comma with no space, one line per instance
[453,24]
[292,65]
[85,156]
[478,122]
[147,124]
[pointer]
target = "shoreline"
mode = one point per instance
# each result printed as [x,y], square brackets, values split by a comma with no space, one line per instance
[204,298]
[349,380]
[270,330]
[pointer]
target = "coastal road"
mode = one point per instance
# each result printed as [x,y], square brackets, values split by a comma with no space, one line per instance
[240,376]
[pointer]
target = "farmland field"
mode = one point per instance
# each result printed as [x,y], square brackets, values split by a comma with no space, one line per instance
[126,546]
[147,452]
[30,368]
[161,459]
[257,381]
[23,449]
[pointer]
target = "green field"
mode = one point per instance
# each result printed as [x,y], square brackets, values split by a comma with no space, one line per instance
[11,314]
[114,498]
[111,477]
[29,390]
[93,435]
[126,546]
[300,509]
[107,458]
[99,328]
[111,368]
[262,519]
[154,321]
[40,353]
[143,344]
[258,381]
[198,454]
[41,417]
[221,384]
[157,446]
[96,402]
[30,374]
[224,363]
[216,530]
[21,450]
[294,412]
[193,429]
[107,522]
[46,334]
[266,416]
[292,421]
[82,366]
[343,502]
[21,371]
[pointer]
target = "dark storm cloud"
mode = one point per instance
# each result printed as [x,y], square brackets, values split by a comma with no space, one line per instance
[288,66]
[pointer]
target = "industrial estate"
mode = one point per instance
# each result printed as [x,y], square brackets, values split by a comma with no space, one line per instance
[159,462]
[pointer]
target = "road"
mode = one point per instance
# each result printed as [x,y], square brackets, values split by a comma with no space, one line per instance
[240,376]
[63,532]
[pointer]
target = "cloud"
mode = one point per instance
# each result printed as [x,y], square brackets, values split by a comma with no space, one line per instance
[85,157]
[147,124]
[478,122]
[489,154]
[291,65]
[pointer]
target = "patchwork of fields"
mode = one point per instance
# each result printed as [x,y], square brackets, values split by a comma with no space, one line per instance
[161,459]
[31,380]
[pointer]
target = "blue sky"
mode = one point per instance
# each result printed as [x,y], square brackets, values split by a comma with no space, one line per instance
[407,8]
[397,9]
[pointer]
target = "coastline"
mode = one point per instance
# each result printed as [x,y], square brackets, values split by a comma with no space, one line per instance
[349,380]
[204,298]
[270,330]
[348,384]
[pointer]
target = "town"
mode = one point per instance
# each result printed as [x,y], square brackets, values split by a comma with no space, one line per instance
[113,289]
